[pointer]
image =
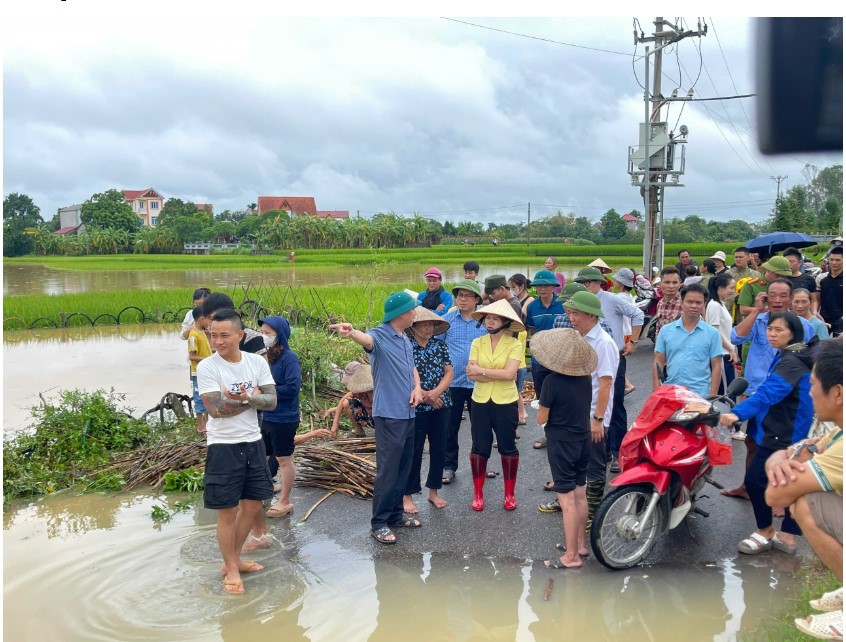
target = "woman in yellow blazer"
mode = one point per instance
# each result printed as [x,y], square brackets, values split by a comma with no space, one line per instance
[493,363]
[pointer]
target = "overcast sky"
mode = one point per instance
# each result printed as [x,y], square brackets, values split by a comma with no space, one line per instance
[454,121]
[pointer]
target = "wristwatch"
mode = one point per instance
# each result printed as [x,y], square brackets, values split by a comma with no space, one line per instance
[245,402]
[595,418]
[634,341]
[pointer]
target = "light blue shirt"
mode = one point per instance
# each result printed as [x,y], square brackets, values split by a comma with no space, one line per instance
[689,354]
[615,308]
[392,365]
[761,353]
[458,338]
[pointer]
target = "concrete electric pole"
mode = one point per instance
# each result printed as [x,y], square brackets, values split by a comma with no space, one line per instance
[656,164]
[778,180]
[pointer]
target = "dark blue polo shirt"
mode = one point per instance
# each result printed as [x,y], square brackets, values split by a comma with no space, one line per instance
[392,365]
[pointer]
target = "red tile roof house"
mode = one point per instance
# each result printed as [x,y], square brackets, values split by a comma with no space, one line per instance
[205,207]
[294,205]
[632,222]
[146,203]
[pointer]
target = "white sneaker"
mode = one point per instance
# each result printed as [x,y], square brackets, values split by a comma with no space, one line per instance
[535,404]
[739,435]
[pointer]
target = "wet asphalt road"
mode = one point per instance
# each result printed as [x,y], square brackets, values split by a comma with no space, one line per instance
[526,533]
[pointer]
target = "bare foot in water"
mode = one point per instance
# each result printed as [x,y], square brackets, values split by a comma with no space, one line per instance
[408,505]
[254,543]
[563,562]
[436,500]
[740,492]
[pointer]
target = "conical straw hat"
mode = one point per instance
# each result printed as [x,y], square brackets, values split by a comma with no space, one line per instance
[424,314]
[361,380]
[501,308]
[599,264]
[564,350]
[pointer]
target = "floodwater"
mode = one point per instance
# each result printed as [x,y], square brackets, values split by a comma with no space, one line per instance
[37,279]
[95,567]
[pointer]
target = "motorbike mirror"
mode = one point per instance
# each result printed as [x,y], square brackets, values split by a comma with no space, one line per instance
[737,387]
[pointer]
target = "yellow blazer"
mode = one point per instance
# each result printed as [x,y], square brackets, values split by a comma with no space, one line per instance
[500,392]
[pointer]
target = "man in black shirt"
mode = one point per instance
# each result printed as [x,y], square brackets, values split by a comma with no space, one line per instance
[801,280]
[831,292]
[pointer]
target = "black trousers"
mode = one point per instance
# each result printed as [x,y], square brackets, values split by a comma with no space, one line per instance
[619,419]
[493,418]
[431,425]
[459,397]
[394,449]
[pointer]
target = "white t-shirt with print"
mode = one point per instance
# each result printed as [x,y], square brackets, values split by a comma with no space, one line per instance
[215,374]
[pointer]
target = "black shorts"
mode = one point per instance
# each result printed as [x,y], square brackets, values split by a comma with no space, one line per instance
[235,472]
[279,438]
[568,461]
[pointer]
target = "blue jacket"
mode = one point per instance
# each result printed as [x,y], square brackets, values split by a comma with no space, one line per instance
[782,404]
[287,375]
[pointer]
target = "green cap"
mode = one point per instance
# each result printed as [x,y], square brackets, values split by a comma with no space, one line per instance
[544,277]
[468,284]
[779,265]
[589,274]
[570,289]
[396,304]
[585,302]
[495,281]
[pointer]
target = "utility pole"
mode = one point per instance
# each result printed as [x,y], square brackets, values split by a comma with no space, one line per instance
[529,224]
[778,180]
[656,160]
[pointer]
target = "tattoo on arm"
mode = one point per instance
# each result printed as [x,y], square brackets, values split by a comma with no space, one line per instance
[266,400]
[218,406]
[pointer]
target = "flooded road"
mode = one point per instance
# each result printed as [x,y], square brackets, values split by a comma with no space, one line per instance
[95,567]
[104,572]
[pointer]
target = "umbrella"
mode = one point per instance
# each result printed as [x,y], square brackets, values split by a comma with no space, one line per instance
[777,241]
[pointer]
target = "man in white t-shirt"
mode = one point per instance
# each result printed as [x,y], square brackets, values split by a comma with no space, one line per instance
[234,385]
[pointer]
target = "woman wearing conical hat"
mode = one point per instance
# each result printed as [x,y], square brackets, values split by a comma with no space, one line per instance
[493,363]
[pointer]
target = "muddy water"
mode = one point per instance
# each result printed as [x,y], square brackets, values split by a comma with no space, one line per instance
[95,567]
[36,279]
[144,362]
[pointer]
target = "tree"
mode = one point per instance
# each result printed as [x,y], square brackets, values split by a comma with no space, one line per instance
[613,225]
[109,209]
[21,220]
[184,219]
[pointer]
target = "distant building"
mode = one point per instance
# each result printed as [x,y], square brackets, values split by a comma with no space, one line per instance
[146,203]
[70,221]
[339,214]
[294,205]
[205,207]
[632,222]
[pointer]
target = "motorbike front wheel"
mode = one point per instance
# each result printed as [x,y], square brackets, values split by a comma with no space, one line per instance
[613,533]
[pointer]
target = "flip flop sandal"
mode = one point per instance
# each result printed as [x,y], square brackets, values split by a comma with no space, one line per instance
[249,567]
[381,536]
[491,474]
[550,507]
[754,544]
[790,549]
[539,444]
[556,563]
[449,477]
[563,549]
[233,587]
[828,626]
[629,391]
[550,485]
[407,522]
[279,512]
[831,601]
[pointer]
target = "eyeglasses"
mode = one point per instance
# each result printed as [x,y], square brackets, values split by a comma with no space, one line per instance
[465,295]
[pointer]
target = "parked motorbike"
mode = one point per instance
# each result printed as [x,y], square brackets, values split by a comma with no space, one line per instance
[647,301]
[665,459]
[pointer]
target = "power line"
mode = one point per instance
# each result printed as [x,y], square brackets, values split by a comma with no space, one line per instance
[523,35]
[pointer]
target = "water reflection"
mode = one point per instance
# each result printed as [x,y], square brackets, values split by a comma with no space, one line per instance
[107,575]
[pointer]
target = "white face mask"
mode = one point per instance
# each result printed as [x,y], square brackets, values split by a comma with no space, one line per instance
[269,340]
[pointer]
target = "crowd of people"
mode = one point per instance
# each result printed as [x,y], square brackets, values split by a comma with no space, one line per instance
[467,350]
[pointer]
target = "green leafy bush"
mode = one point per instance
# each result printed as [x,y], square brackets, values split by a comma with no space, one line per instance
[189,480]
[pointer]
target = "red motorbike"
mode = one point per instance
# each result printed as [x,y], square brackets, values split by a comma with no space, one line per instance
[665,460]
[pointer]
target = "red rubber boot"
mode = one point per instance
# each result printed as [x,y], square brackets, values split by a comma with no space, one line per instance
[509,475]
[478,466]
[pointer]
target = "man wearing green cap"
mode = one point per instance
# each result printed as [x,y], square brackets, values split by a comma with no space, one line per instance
[563,320]
[540,316]
[615,309]
[463,329]
[396,392]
